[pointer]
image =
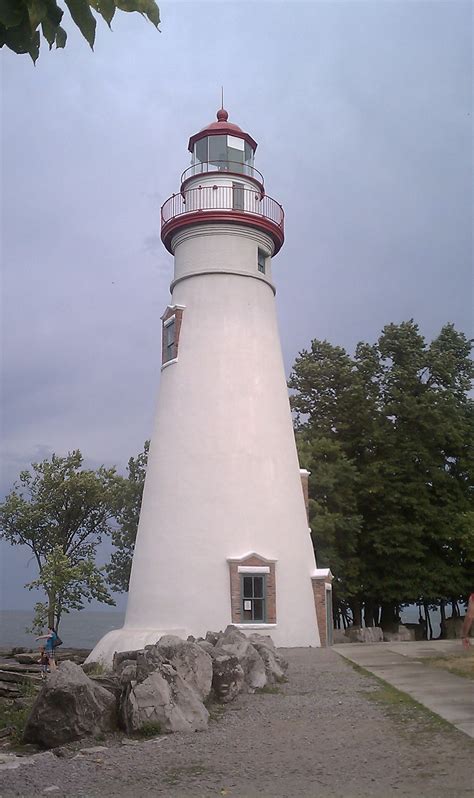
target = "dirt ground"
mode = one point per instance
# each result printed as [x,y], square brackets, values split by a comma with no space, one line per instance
[330,732]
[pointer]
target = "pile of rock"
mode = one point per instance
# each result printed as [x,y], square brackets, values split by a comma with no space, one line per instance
[163,687]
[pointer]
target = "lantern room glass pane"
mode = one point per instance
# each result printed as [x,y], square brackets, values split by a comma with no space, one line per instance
[201,150]
[218,151]
[249,154]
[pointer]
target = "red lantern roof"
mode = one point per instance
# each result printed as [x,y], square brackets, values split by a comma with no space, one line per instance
[222,128]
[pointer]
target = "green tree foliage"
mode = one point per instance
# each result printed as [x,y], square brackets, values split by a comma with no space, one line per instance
[61,512]
[398,418]
[22,20]
[127,513]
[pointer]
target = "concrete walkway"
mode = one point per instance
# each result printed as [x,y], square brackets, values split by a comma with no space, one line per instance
[400,664]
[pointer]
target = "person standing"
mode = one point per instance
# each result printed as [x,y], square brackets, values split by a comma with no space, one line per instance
[49,646]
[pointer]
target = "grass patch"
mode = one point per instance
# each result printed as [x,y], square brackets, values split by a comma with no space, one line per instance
[95,669]
[215,708]
[411,717]
[149,730]
[16,716]
[270,689]
[461,664]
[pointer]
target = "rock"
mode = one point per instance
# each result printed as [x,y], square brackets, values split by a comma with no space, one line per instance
[6,731]
[339,636]
[53,788]
[70,706]
[127,672]
[206,646]
[94,749]
[109,682]
[228,677]
[250,660]
[451,628]
[9,690]
[399,635]
[263,640]
[213,637]
[13,676]
[275,665]
[165,700]
[27,659]
[192,663]
[121,656]
[366,634]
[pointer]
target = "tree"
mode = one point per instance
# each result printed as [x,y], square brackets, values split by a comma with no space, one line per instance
[21,20]
[127,513]
[400,413]
[61,512]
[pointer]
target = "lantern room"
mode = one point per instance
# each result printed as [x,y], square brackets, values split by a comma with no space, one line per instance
[222,185]
[222,146]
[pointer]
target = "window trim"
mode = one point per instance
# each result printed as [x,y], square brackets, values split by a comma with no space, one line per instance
[261,253]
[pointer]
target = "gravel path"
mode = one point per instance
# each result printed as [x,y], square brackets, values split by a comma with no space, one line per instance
[325,734]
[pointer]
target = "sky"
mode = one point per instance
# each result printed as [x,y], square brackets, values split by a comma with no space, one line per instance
[363,117]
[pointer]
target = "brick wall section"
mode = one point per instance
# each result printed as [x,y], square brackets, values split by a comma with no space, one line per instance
[305,485]
[235,597]
[178,314]
[319,592]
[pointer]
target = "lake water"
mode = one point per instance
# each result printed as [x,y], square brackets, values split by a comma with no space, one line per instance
[84,629]
[77,630]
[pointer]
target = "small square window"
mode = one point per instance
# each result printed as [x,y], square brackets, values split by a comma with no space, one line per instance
[261,260]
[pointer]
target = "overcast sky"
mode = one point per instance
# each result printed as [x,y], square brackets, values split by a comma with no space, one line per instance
[362,113]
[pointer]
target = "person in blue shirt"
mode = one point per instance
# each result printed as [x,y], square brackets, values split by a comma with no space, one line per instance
[50,638]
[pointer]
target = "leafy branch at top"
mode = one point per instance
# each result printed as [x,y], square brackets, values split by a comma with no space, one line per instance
[22,20]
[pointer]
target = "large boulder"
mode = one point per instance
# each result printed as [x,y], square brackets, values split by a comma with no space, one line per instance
[163,700]
[228,677]
[365,634]
[250,660]
[193,664]
[70,706]
[275,665]
[399,634]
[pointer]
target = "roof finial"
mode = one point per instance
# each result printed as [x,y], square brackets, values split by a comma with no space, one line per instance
[222,115]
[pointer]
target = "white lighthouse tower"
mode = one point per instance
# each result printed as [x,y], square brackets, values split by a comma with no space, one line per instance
[223,535]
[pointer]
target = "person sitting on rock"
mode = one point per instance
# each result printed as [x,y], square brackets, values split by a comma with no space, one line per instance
[44,662]
[468,621]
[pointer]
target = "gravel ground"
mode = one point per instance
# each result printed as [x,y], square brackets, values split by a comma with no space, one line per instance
[325,734]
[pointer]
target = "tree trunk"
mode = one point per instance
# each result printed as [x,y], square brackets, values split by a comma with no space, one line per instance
[51,611]
[369,608]
[429,628]
[388,616]
[356,610]
[442,612]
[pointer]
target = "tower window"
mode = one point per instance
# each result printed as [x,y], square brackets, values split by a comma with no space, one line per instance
[253,598]
[170,338]
[172,319]
[262,260]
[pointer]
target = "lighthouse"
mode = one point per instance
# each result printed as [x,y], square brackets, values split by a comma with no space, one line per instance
[223,536]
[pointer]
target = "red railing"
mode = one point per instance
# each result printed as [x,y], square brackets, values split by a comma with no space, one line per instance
[222,198]
[232,167]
